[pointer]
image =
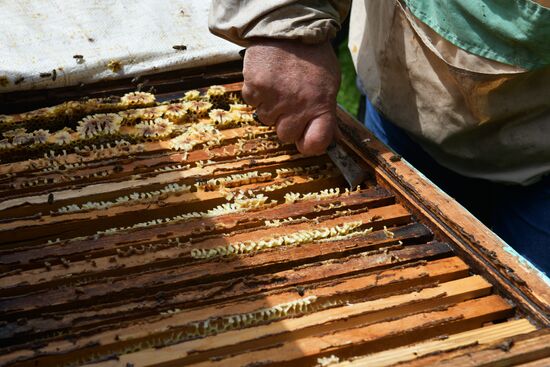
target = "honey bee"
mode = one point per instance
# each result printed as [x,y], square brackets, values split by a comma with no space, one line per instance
[79,58]
[395,158]
[114,66]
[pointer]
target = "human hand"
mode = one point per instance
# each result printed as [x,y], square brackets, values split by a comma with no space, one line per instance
[293,86]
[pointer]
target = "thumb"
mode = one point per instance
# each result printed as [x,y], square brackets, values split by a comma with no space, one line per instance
[317,135]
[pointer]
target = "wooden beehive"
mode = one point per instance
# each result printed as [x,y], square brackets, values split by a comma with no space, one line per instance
[178,233]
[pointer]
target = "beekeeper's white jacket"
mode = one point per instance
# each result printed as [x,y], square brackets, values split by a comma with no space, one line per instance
[486,117]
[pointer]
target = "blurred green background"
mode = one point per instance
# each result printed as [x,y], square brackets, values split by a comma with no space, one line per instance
[348,95]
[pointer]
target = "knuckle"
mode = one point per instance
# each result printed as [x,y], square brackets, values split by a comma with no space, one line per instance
[248,94]
[245,91]
[317,136]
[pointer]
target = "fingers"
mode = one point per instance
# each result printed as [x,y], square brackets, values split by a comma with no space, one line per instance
[267,110]
[290,128]
[317,135]
[311,137]
[292,86]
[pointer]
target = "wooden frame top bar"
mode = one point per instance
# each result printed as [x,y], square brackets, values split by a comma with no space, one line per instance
[239,250]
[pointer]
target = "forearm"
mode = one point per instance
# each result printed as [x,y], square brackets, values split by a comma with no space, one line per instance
[310,22]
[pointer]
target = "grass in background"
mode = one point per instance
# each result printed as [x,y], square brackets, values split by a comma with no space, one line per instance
[348,95]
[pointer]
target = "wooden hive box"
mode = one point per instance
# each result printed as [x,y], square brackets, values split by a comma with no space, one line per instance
[174,232]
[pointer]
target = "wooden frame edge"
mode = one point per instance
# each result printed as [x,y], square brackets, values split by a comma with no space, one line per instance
[483,250]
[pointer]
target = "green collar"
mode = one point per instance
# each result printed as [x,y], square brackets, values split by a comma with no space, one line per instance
[512,32]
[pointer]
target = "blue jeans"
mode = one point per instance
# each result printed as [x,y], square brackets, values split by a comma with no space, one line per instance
[520,215]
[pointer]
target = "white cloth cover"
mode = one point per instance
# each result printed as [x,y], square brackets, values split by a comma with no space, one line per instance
[39,36]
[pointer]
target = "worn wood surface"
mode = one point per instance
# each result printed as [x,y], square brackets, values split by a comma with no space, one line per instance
[258,256]
[460,342]
[483,249]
